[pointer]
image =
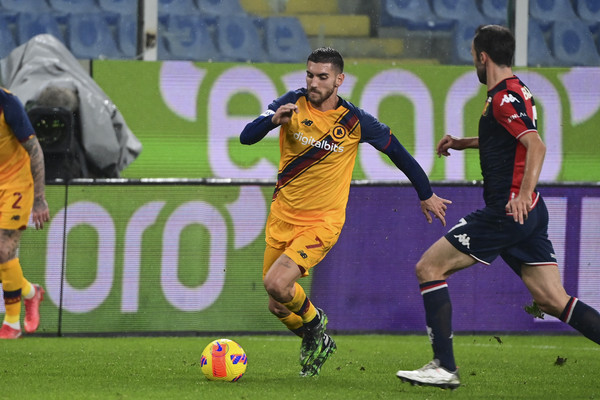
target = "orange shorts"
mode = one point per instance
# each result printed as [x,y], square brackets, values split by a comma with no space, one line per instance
[305,245]
[15,207]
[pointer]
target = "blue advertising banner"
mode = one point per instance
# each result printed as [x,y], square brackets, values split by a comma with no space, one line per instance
[367,282]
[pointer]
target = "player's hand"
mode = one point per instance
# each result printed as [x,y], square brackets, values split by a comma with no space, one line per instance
[437,206]
[40,212]
[283,115]
[519,207]
[446,143]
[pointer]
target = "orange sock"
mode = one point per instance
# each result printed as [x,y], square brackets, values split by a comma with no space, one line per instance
[12,280]
[294,323]
[301,305]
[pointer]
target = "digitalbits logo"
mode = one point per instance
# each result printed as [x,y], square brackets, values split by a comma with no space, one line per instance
[319,144]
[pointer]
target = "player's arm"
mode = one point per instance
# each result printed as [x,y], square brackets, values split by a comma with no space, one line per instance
[256,130]
[534,160]
[40,212]
[17,119]
[452,142]
[430,202]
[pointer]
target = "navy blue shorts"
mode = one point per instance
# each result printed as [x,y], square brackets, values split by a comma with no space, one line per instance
[486,234]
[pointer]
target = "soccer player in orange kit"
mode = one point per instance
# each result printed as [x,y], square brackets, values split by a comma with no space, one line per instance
[22,192]
[319,138]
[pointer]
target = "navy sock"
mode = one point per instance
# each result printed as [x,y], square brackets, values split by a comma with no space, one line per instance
[583,318]
[438,316]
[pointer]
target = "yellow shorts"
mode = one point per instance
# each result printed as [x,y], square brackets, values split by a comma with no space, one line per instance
[15,207]
[305,245]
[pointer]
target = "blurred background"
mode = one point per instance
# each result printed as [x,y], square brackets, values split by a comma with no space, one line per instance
[557,33]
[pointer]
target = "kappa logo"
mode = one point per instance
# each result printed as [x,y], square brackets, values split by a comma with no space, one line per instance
[307,122]
[464,239]
[508,98]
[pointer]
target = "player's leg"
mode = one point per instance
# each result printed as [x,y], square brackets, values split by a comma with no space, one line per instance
[304,250]
[291,320]
[544,283]
[12,279]
[440,261]
[32,294]
[539,271]
[280,284]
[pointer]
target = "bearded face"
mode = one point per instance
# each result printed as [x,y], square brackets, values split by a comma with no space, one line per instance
[479,66]
[322,82]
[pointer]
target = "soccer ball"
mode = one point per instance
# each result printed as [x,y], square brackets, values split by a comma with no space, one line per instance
[223,360]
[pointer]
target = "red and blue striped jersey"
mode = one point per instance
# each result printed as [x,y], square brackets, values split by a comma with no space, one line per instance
[509,113]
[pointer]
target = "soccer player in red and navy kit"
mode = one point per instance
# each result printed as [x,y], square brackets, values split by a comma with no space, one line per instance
[319,137]
[514,222]
[22,192]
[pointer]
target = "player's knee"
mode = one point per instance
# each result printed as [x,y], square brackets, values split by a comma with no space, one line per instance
[276,290]
[424,271]
[6,254]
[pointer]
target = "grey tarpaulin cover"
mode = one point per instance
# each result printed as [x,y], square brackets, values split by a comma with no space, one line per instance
[107,141]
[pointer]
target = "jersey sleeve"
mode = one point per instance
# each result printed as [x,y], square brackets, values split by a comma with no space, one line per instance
[374,132]
[514,112]
[16,117]
[411,168]
[256,130]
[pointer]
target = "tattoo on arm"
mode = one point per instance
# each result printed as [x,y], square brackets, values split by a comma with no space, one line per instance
[37,166]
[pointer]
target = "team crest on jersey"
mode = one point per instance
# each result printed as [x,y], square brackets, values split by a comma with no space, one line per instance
[486,107]
[339,132]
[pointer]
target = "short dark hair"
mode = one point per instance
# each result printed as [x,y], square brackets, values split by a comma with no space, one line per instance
[497,41]
[327,55]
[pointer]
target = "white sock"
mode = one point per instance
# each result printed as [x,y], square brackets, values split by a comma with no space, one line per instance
[14,325]
[31,292]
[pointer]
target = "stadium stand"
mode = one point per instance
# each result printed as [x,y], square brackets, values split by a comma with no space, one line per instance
[439,30]
[176,7]
[412,14]
[538,52]
[286,40]
[30,25]
[123,7]
[462,38]
[7,39]
[548,11]
[127,35]
[459,10]
[495,9]
[589,12]
[573,44]
[32,6]
[220,7]
[74,6]
[238,39]
[90,37]
[187,37]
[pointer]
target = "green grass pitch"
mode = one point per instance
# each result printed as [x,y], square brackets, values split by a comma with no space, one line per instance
[364,367]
